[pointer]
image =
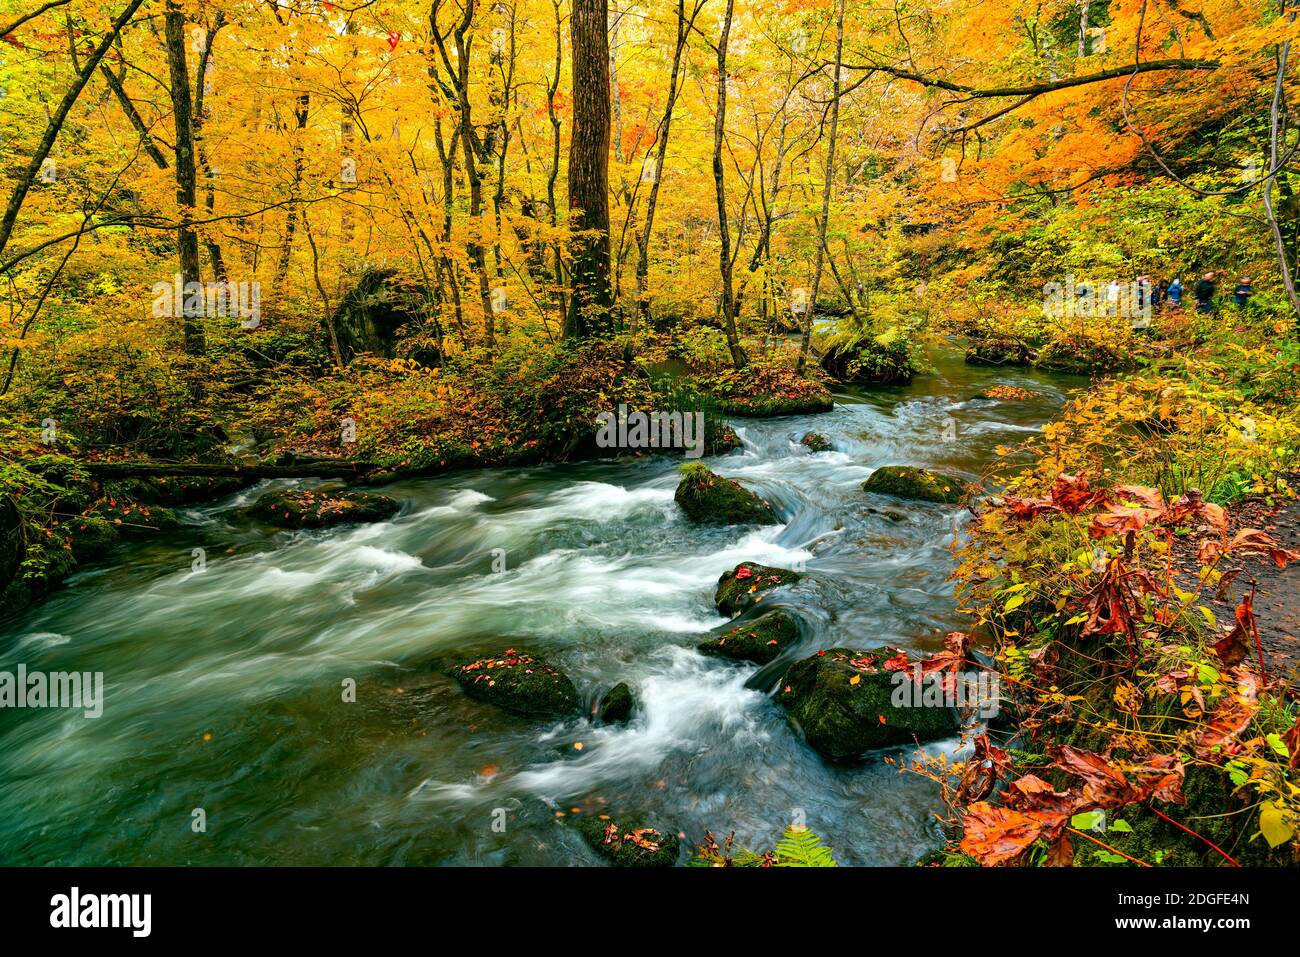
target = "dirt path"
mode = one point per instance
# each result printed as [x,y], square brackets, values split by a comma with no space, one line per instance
[1277,601]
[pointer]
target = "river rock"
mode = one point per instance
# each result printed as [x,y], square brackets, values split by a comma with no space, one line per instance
[879,360]
[707,498]
[746,583]
[518,682]
[629,845]
[904,481]
[616,705]
[309,508]
[759,641]
[841,700]
[998,352]
[816,442]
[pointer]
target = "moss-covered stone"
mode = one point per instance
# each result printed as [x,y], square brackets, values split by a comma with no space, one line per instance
[634,845]
[816,442]
[904,481]
[746,584]
[998,352]
[518,682]
[172,490]
[1079,355]
[842,700]
[309,508]
[721,439]
[707,498]
[616,705]
[872,360]
[759,641]
[136,518]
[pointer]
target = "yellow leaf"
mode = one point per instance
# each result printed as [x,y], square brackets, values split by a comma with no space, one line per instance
[856,679]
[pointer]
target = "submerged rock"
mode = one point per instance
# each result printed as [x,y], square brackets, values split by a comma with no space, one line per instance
[759,641]
[904,481]
[816,442]
[707,498]
[629,846]
[518,682]
[746,583]
[842,700]
[297,508]
[616,705]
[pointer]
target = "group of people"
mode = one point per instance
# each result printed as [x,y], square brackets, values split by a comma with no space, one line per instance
[1204,292]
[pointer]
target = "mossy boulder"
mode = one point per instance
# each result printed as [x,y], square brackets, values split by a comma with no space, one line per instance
[816,442]
[173,490]
[759,641]
[310,508]
[843,701]
[616,704]
[872,360]
[721,439]
[747,583]
[1080,355]
[998,352]
[905,481]
[135,518]
[635,845]
[518,682]
[707,498]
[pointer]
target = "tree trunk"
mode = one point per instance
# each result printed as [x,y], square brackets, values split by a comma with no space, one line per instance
[829,184]
[187,241]
[738,357]
[592,298]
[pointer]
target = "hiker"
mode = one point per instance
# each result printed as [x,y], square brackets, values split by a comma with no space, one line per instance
[1241,295]
[1205,289]
[1160,293]
[1174,292]
[1113,290]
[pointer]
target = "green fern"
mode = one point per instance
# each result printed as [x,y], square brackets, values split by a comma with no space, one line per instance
[800,847]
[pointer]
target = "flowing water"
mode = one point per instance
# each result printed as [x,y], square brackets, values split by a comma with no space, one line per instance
[225,686]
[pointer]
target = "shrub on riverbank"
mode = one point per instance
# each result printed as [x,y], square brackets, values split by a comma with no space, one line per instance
[1149,731]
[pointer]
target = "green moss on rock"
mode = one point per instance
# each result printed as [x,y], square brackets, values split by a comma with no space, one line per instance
[616,705]
[904,481]
[842,700]
[816,442]
[518,682]
[310,508]
[707,498]
[746,584]
[998,352]
[635,845]
[759,641]
[1079,355]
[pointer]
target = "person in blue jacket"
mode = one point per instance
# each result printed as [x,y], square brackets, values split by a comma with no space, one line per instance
[1241,295]
[1175,292]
